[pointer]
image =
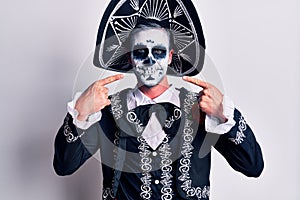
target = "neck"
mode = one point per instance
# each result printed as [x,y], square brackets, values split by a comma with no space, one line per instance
[155,91]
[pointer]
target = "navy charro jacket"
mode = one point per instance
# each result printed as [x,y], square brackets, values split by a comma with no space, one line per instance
[190,145]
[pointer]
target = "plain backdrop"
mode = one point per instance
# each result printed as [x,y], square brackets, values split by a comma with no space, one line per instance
[255,46]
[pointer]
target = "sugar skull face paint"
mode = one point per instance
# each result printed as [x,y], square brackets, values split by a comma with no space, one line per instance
[142,52]
[150,55]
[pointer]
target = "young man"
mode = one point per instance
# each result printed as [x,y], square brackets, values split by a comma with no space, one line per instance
[150,137]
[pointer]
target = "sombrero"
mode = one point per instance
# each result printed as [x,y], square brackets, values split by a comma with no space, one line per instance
[179,16]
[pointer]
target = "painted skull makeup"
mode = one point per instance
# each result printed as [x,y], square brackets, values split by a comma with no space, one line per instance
[150,55]
[179,17]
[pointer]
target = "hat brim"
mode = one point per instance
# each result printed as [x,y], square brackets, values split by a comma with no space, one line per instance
[180,17]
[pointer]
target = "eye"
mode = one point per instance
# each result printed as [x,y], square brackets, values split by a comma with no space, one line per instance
[140,53]
[159,53]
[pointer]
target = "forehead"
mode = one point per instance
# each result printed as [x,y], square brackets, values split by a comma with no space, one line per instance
[151,36]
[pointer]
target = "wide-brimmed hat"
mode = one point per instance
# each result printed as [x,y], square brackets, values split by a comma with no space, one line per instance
[179,16]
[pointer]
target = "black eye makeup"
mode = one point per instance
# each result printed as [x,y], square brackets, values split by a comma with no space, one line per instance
[141,52]
[159,52]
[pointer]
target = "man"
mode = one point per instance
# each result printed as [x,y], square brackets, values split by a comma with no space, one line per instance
[149,137]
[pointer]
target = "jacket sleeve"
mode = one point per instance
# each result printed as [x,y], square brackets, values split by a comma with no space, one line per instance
[73,146]
[240,148]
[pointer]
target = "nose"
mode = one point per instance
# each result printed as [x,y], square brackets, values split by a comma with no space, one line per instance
[149,60]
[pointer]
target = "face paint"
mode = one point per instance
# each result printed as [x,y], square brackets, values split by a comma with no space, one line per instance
[150,57]
[142,52]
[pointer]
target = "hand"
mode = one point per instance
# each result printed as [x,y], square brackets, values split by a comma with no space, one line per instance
[95,97]
[210,100]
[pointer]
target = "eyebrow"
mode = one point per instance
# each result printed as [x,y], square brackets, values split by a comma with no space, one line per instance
[139,46]
[162,47]
[142,46]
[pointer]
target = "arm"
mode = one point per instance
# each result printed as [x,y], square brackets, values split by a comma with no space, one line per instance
[73,146]
[238,144]
[240,148]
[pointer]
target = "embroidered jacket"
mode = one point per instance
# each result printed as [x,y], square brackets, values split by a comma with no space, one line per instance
[185,156]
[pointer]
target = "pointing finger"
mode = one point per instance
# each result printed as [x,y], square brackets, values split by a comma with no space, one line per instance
[196,81]
[110,79]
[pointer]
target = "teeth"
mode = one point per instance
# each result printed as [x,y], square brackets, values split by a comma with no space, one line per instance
[147,71]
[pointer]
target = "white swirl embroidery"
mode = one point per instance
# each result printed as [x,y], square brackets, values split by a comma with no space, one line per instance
[132,118]
[186,151]
[166,168]
[117,112]
[116,106]
[107,193]
[70,137]
[116,144]
[239,138]
[176,115]
[145,164]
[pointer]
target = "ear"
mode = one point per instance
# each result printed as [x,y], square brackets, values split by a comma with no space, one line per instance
[129,57]
[170,56]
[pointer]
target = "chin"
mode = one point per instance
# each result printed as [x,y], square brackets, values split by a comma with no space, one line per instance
[149,85]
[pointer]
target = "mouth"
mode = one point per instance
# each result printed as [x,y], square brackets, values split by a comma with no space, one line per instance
[148,71]
[150,78]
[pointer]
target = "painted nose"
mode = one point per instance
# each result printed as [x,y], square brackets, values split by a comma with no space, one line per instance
[149,61]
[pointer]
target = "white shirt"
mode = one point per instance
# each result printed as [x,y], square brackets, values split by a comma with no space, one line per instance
[153,132]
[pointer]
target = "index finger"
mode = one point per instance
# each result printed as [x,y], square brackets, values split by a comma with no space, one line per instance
[196,81]
[111,79]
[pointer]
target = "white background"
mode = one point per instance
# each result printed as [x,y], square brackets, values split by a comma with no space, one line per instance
[255,46]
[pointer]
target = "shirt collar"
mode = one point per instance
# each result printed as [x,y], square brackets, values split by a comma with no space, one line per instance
[138,98]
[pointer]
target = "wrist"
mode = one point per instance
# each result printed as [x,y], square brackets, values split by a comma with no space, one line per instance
[221,117]
[82,117]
